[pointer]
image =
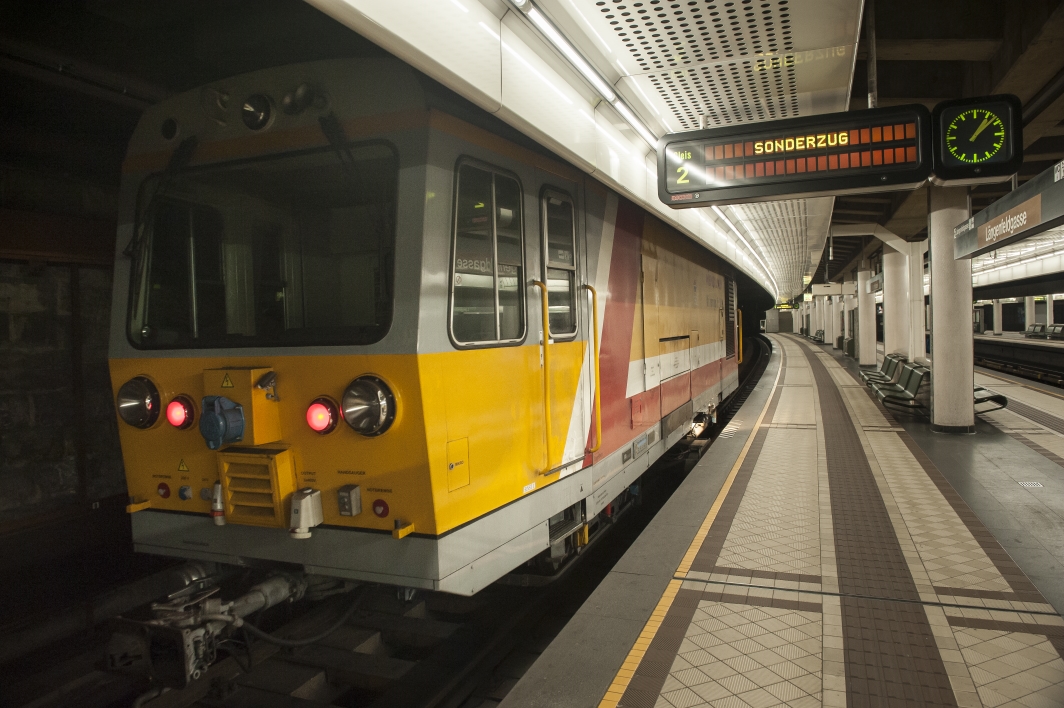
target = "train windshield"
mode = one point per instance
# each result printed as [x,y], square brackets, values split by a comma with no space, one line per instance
[288,250]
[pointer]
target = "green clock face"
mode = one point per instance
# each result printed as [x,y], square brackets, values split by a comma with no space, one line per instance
[975,135]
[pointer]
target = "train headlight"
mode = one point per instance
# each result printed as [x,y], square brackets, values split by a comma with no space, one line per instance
[368,406]
[180,413]
[138,402]
[322,415]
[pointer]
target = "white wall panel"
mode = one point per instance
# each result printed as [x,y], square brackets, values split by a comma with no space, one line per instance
[619,160]
[541,102]
[446,39]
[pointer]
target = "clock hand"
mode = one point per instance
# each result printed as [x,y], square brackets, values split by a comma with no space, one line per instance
[980,129]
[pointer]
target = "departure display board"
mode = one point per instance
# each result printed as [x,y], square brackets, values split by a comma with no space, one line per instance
[840,153]
[977,140]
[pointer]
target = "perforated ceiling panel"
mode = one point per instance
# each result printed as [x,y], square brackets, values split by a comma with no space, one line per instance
[686,63]
[680,48]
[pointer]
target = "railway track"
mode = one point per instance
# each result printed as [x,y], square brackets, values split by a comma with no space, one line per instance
[416,650]
[1025,359]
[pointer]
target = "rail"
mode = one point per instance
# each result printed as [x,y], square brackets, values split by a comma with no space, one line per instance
[598,399]
[740,361]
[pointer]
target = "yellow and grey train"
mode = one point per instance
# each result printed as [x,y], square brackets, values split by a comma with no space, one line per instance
[358,330]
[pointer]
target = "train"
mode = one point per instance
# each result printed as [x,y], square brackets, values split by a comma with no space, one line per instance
[363,329]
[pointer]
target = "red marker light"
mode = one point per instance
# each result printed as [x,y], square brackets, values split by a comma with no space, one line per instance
[164,490]
[179,413]
[322,416]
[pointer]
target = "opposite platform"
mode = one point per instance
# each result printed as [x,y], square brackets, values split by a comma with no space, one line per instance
[836,566]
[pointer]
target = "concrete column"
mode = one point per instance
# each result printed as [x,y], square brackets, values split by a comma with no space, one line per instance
[895,302]
[866,317]
[1049,309]
[829,331]
[953,367]
[997,318]
[846,307]
[1028,311]
[917,331]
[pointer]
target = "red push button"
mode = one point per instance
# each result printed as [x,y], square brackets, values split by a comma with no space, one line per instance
[164,490]
[380,508]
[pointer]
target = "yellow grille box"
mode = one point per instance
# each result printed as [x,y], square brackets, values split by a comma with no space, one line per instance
[257,484]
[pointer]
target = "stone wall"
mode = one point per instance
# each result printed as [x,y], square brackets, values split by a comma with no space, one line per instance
[58,434]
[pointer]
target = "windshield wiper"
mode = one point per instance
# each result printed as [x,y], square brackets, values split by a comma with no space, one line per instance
[179,159]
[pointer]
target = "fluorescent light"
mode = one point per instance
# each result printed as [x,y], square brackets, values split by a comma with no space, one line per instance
[637,124]
[460,6]
[562,44]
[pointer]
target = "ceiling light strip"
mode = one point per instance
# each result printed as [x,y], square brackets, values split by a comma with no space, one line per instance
[559,42]
[749,248]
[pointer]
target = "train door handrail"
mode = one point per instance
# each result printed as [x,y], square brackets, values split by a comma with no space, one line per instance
[595,343]
[740,361]
[546,366]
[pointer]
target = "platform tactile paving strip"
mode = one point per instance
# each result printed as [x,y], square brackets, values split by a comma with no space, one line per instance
[841,568]
[776,527]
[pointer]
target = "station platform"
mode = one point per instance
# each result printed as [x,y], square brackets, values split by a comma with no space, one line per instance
[829,552]
[1018,338]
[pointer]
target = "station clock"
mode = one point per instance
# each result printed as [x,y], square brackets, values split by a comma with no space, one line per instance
[977,140]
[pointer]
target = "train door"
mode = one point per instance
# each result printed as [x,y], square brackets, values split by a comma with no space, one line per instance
[568,363]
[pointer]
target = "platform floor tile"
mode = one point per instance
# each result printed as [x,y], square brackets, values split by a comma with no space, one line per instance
[839,567]
[757,655]
[776,528]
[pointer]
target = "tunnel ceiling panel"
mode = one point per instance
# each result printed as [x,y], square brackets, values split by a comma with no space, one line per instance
[683,62]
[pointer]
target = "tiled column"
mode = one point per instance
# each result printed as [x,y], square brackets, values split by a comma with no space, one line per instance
[895,302]
[953,368]
[1028,311]
[997,318]
[866,318]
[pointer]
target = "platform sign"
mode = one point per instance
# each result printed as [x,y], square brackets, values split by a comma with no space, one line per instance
[1033,208]
[977,140]
[880,149]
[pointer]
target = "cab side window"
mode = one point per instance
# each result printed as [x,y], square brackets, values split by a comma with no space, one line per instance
[559,239]
[487,269]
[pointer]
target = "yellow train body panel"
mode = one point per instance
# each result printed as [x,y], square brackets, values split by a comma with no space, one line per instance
[464,486]
[490,398]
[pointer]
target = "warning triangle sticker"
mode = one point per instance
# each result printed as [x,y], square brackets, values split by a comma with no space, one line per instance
[227,382]
[182,467]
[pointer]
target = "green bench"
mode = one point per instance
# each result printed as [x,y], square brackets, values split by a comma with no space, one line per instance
[985,395]
[903,394]
[885,374]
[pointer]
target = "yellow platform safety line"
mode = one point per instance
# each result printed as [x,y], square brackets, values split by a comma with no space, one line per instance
[624,675]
